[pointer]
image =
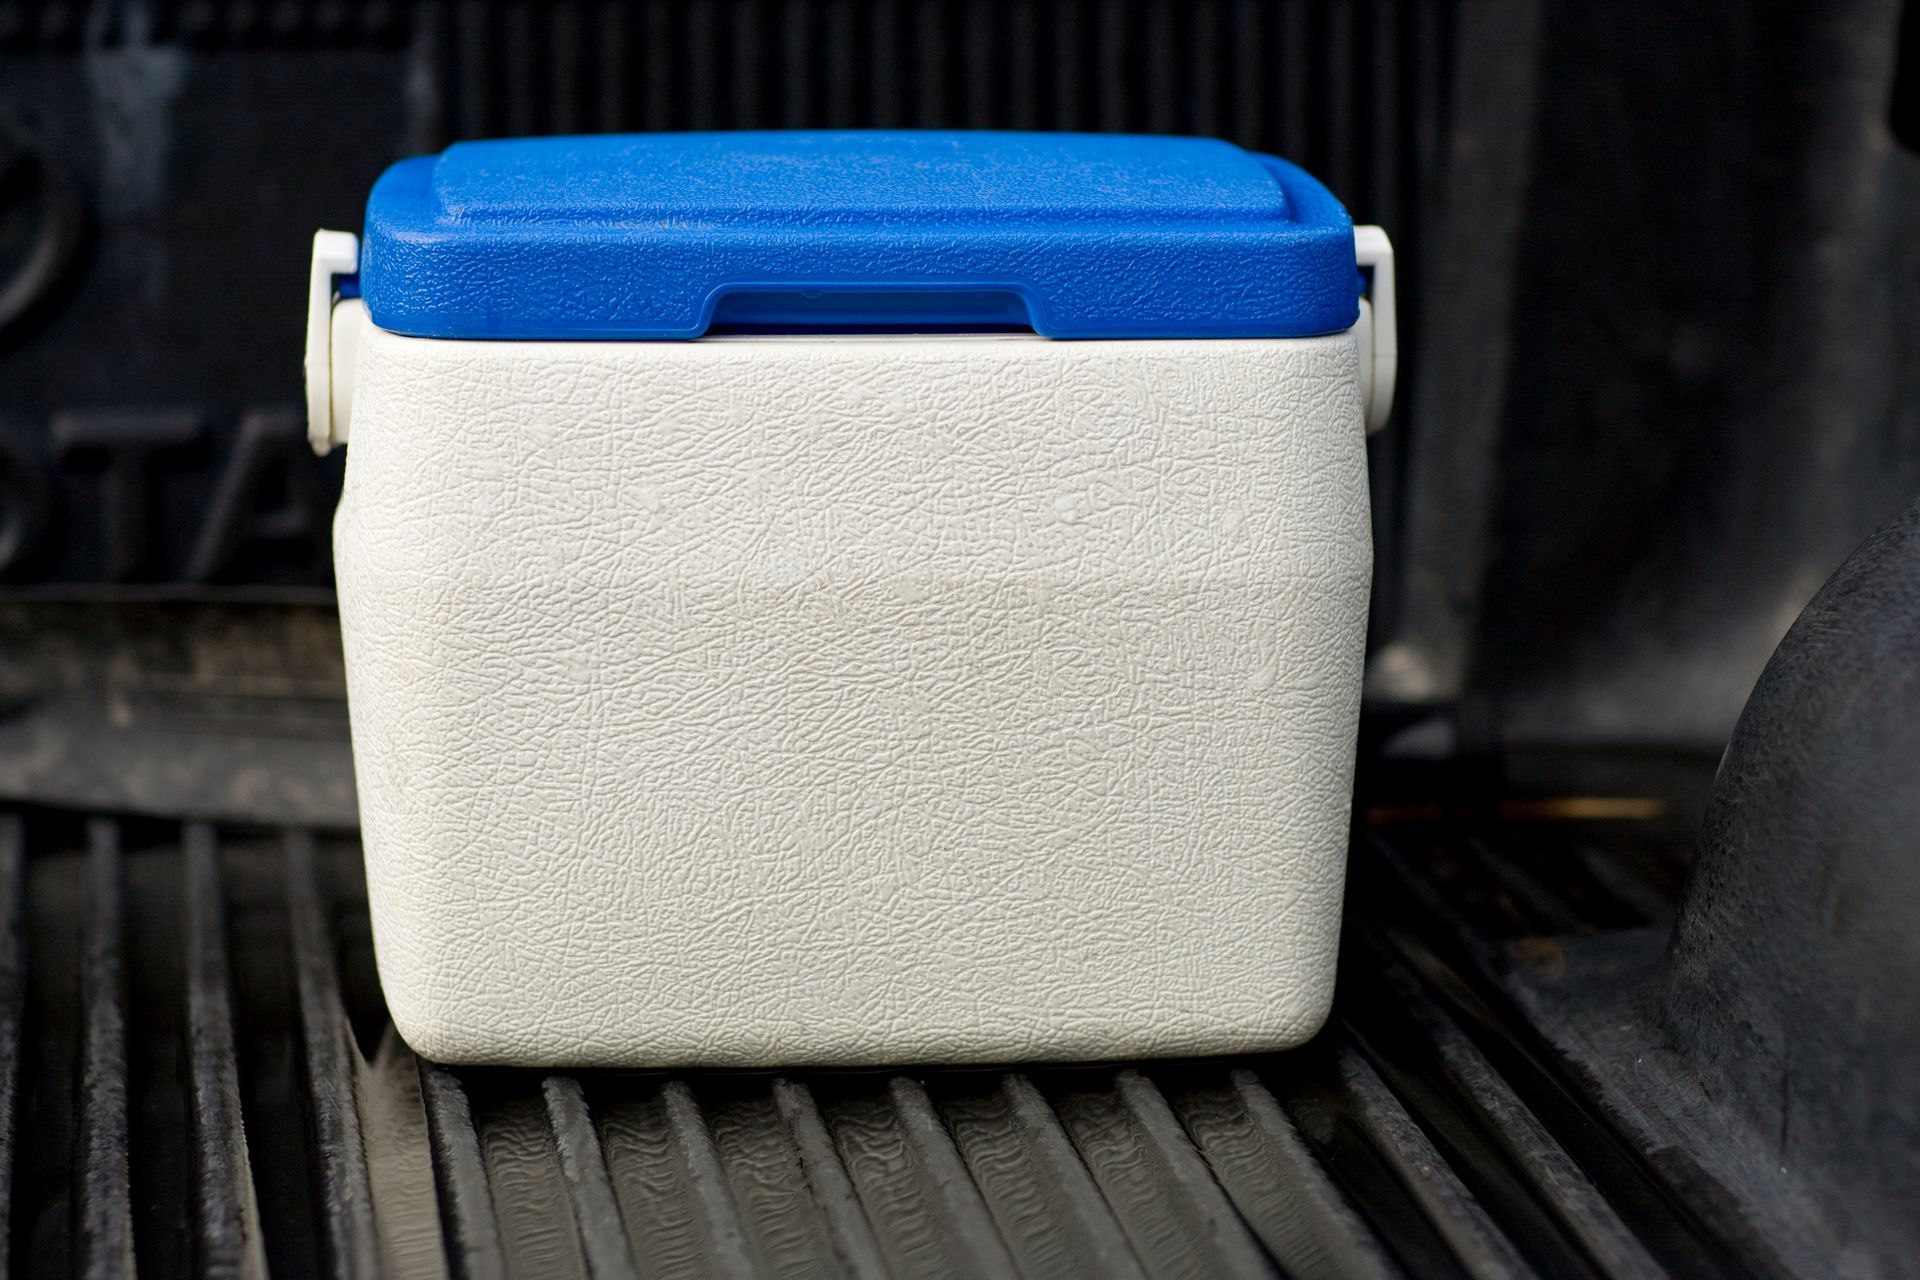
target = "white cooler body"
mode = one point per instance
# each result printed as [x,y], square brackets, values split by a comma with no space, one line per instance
[959,661]
[854,699]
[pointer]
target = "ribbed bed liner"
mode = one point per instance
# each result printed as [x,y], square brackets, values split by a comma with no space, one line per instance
[199,1079]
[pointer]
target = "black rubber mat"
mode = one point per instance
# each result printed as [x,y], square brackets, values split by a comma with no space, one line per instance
[199,1079]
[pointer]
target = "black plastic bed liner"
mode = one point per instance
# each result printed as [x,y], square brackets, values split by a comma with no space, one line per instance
[199,1078]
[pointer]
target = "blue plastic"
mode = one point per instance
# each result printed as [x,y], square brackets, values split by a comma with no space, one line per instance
[670,235]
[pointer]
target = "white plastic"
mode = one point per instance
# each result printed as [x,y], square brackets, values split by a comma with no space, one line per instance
[348,323]
[1379,325]
[335,253]
[767,701]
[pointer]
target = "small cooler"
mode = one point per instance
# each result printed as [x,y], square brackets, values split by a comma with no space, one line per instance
[852,598]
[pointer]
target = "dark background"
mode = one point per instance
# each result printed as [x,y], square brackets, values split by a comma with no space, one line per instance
[1660,264]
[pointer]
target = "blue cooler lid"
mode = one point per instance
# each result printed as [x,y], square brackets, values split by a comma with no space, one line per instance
[673,235]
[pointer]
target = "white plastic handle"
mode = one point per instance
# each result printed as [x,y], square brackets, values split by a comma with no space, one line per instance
[1380,343]
[335,253]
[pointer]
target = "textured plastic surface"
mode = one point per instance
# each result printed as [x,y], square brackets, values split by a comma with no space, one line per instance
[851,700]
[666,235]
